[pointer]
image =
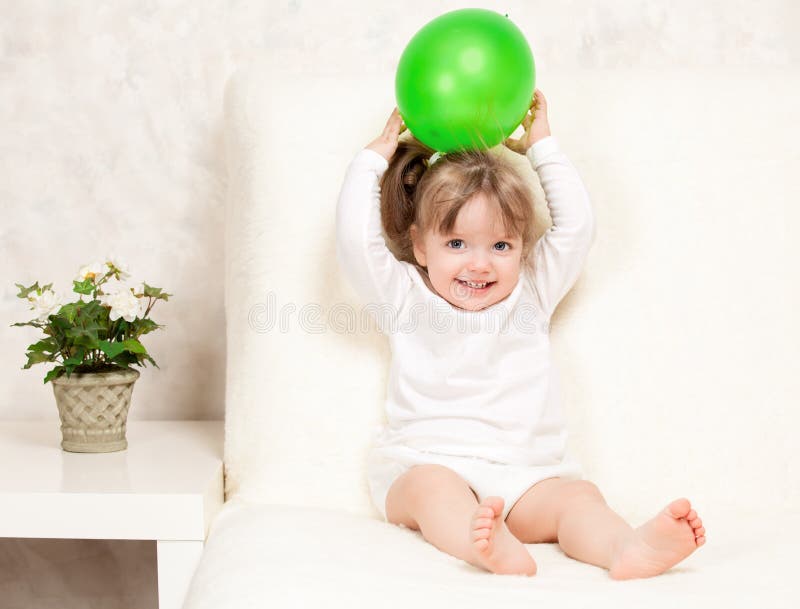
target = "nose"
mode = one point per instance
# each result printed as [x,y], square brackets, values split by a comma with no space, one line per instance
[479,262]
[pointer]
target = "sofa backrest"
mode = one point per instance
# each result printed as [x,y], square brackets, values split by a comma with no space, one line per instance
[668,343]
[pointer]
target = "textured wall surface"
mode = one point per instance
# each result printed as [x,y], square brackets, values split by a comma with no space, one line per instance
[112,142]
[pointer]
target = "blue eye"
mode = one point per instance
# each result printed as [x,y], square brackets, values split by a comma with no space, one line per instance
[454,241]
[508,245]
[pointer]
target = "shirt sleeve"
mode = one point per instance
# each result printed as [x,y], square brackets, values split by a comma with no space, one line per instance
[557,257]
[380,279]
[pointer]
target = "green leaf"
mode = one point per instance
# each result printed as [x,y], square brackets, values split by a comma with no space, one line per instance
[83,287]
[23,291]
[85,328]
[69,311]
[143,326]
[36,357]
[92,310]
[60,324]
[27,323]
[112,350]
[124,359]
[155,292]
[134,346]
[87,340]
[75,360]
[54,373]
[151,291]
[46,345]
[152,361]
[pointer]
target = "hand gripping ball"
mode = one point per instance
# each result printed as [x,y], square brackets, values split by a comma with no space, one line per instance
[465,80]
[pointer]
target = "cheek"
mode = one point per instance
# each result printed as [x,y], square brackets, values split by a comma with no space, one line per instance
[444,273]
[442,262]
[511,269]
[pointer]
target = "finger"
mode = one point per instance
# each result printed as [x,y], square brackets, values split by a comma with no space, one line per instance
[394,116]
[393,125]
[526,122]
[396,128]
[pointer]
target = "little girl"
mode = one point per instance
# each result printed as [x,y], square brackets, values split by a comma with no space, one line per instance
[474,454]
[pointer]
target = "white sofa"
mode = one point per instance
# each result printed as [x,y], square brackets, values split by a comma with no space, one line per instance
[676,371]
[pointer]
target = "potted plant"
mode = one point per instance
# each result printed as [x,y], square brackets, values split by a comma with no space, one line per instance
[94,341]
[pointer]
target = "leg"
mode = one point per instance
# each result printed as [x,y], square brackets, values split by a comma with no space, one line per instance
[532,519]
[440,504]
[571,512]
[177,561]
[588,529]
[574,513]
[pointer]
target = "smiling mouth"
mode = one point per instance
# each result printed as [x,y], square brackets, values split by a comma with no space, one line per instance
[476,286]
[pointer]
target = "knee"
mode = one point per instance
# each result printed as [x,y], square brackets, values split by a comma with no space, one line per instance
[582,490]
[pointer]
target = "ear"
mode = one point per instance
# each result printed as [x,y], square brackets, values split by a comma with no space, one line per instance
[419,245]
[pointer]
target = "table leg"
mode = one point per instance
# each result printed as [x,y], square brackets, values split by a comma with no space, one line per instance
[177,561]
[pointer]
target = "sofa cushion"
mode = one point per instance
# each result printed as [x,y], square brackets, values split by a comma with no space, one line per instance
[280,556]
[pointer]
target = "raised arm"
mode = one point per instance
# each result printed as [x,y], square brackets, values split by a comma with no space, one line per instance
[558,256]
[380,280]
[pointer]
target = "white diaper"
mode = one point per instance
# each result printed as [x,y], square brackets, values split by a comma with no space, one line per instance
[486,478]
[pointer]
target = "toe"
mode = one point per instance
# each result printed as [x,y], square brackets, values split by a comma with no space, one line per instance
[696,523]
[679,508]
[691,515]
[700,540]
[496,503]
[700,532]
[483,523]
[480,534]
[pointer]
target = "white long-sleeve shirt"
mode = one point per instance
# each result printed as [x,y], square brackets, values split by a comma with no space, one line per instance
[469,383]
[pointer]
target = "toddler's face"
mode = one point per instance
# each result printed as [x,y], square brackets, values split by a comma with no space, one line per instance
[477,251]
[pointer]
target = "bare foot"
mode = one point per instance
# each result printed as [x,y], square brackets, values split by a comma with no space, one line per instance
[496,549]
[660,543]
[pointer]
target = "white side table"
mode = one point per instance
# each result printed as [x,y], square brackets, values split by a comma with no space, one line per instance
[166,486]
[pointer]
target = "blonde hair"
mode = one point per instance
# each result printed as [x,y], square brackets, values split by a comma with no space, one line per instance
[413,193]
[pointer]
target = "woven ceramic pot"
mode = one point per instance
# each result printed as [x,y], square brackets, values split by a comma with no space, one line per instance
[93,407]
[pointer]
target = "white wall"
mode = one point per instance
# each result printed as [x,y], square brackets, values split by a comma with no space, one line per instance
[111,141]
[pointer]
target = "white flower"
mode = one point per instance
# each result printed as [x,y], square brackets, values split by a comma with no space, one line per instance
[114,262]
[123,304]
[91,271]
[45,304]
[113,285]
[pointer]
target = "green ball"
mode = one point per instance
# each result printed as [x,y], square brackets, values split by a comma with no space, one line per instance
[465,80]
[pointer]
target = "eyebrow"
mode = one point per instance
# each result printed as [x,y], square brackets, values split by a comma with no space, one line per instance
[461,236]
